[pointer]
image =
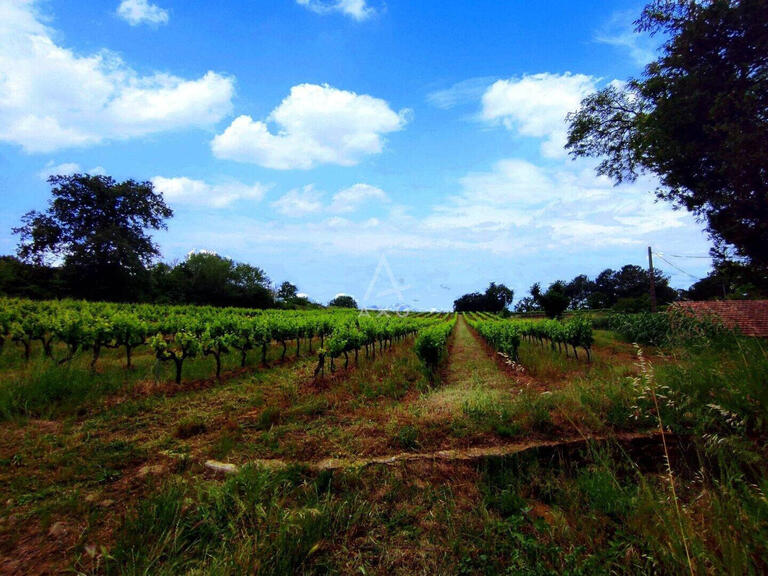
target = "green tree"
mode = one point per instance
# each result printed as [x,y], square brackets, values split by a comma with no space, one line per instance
[696,119]
[729,280]
[579,290]
[207,278]
[343,301]
[99,228]
[554,301]
[497,297]
[287,291]
[26,280]
[630,283]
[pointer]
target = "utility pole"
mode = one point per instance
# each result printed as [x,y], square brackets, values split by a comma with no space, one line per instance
[653,281]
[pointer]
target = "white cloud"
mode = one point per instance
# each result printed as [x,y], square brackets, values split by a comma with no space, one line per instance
[350,199]
[64,169]
[137,12]
[536,106]
[464,92]
[197,192]
[315,125]
[619,32]
[67,169]
[299,202]
[518,204]
[355,9]
[52,98]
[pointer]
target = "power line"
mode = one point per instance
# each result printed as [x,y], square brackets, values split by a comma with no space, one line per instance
[675,266]
[688,256]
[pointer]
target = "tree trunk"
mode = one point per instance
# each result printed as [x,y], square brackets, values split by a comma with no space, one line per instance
[320,368]
[264,353]
[217,356]
[346,360]
[179,362]
[128,351]
[298,347]
[285,347]
[96,353]
[47,347]
[243,356]
[70,354]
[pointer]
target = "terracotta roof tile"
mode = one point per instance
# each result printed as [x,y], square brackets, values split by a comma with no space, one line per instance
[749,316]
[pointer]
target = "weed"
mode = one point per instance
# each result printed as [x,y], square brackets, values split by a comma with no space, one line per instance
[407,437]
[189,427]
[269,417]
[258,521]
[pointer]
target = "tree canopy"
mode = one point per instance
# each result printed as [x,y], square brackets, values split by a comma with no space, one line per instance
[207,278]
[696,119]
[730,280]
[99,229]
[626,289]
[343,301]
[496,298]
[554,301]
[287,291]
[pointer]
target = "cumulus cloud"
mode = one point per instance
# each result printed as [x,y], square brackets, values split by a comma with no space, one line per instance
[137,12]
[536,106]
[52,98]
[520,204]
[314,125]
[185,190]
[352,198]
[356,9]
[299,202]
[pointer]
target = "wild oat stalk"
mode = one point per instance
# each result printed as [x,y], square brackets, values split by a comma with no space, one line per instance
[648,380]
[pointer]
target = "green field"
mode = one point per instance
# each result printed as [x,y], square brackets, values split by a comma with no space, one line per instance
[372,443]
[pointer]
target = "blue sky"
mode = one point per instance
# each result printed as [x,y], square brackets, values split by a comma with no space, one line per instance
[324,140]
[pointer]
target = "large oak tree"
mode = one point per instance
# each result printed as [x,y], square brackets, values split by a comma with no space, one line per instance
[97,229]
[697,118]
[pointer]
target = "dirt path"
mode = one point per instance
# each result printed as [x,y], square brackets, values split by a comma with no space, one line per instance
[468,363]
[470,377]
[635,443]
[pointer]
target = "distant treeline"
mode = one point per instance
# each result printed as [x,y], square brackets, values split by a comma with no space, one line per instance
[202,278]
[623,290]
[626,289]
[93,242]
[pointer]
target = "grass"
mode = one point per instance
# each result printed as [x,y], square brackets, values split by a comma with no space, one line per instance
[590,512]
[131,439]
[42,388]
[260,520]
